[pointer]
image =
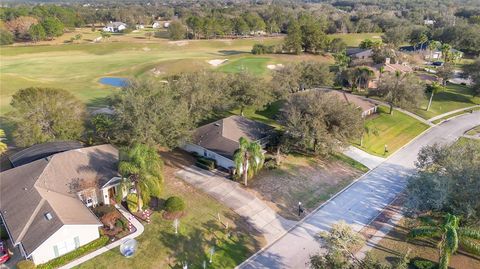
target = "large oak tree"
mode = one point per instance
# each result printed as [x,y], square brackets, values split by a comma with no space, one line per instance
[46,114]
[319,122]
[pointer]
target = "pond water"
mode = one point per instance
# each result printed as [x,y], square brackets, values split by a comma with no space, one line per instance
[115,82]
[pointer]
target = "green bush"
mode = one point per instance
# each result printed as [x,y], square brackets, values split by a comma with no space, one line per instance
[132,202]
[3,232]
[6,37]
[174,204]
[25,264]
[262,49]
[206,163]
[77,253]
[120,224]
[270,164]
[424,264]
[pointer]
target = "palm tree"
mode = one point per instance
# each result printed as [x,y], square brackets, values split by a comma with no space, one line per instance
[450,235]
[434,88]
[368,130]
[142,166]
[3,146]
[248,159]
[446,52]
[363,75]
[433,45]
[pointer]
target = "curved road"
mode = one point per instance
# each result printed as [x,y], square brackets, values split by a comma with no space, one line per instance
[360,203]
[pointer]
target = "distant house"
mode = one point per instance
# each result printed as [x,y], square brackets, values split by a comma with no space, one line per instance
[156,24]
[428,22]
[219,140]
[139,26]
[389,67]
[44,203]
[114,27]
[160,24]
[359,53]
[366,106]
[430,54]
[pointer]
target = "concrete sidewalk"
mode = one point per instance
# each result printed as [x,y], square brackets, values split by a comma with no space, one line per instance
[369,160]
[138,231]
[232,194]
[451,113]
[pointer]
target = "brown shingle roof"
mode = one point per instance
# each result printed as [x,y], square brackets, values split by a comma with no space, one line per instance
[357,101]
[222,136]
[49,185]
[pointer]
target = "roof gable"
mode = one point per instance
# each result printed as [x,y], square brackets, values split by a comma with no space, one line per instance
[222,136]
[49,185]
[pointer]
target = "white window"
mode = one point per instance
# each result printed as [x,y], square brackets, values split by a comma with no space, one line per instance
[67,246]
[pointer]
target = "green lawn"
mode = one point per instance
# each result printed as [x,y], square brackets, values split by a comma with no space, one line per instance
[455,97]
[392,130]
[267,116]
[354,39]
[199,230]
[254,65]
[78,67]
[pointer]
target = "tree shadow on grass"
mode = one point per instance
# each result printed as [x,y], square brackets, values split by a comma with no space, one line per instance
[192,244]
[99,102]
[232,52]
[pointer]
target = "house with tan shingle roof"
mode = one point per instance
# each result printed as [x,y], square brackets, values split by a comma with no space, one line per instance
[44,204]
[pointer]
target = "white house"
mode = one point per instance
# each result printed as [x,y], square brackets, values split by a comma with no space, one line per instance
[156,25]
[219,140]
[114,27]
[44,203]
[428,22]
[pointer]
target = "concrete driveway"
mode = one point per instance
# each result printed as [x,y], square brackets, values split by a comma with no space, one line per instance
[359,204]
[232,194]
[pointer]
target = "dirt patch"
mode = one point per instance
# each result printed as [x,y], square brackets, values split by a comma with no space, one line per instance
[308,180]
[275,66]
[180,43]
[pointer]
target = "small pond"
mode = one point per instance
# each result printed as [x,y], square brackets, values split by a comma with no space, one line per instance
[115,82]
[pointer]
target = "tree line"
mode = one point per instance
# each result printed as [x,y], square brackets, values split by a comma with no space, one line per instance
[456,24]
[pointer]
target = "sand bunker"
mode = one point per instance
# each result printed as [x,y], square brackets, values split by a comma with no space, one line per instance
[217,62]
[178,43]
[157,72]
[275,66]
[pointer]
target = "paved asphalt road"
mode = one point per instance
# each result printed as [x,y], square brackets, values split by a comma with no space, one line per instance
[360,203]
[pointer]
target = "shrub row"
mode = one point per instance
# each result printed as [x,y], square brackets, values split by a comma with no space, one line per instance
[263,49]
[77,253]
[206,163]
[424,264]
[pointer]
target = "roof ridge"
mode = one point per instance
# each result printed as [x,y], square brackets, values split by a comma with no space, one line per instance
[30,220]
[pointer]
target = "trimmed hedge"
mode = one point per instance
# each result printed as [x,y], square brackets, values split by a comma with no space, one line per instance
[25,264]
[424,264]
[77,253]
[206,163]
[174,204]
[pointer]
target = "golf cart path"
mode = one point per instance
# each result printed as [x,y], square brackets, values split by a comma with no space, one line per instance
[230,193]
[358,204]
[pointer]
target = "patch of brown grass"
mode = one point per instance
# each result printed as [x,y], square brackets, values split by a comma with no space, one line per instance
[303,179]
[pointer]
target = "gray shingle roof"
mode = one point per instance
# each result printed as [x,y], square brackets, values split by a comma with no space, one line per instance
[222,136]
